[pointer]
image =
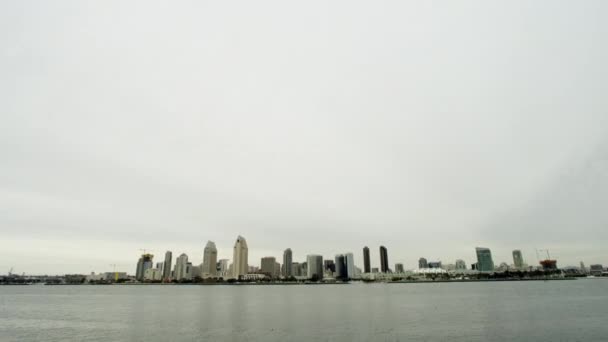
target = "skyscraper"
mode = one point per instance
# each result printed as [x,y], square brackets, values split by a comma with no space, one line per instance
[287,263]
[209,268]
[167,265]
[518,259]
[267,266]
[182,269]
[329,265]
[349,260]
[144,263]
[239,260]
[315,266]
[367,268]
[383,259]
[341,272]
[484,259]
[422,263]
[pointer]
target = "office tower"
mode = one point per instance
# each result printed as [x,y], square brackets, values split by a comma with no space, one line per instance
[209,268]
[349,260]
[315,267]
[144,263]
[239,260]
[329,265]
[181,267]
[277,269]
[422,263]
[484,259]
[167,265]
[460,265]
[399,268]
[341,272]
[518,259]
[383,259]
[366,261]
[267,266]
[303,269]
[287,263]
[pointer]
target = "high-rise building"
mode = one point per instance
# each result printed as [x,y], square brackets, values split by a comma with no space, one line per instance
[167,265]
[239,260]
[144,263]
[484,259]
[277,269]
[341,272]
[383,259]
[296,269]
[460,265]
[422,263]
[518,259]
[209,267]
[349,259]
[267,266]
[399,268]
[287,263]
[315,266]
[182,270]
[366,261]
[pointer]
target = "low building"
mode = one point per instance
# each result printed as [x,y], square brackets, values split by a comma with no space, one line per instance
[153,274]
[596,269]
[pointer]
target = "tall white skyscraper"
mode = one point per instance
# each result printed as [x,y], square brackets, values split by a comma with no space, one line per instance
[239,259]
[182,270]
[209,267]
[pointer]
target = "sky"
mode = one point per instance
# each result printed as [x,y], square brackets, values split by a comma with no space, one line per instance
[428,127]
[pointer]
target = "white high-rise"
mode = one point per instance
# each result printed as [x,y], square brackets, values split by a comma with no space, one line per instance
[349,260]
[239,259]
[209,267]
[181,267]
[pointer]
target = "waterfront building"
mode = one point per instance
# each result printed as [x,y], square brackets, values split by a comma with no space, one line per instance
[267,266]
[375,270]
[366,260]
[287,263]
[383,259]
[460,265]
[144,263]
[422,264]
[349,260]
[304,269]
[209,267]
[484,259]
[315,266]
[399,268]
[222,267]
[182,270]
[153,274]
[340,264]
[277,269]
[239,260]
[434,264]
[329,265]
[253,269]
[596,270]
[518,259]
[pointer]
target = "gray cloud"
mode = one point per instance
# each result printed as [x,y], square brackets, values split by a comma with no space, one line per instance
[320,127]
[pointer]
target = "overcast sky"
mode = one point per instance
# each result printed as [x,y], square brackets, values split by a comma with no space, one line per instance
[429,127]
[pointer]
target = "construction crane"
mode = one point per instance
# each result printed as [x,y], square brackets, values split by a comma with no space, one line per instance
[146,250]
[114,271]
[10,272]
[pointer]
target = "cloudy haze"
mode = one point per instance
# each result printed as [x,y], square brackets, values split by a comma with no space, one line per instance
[428,127]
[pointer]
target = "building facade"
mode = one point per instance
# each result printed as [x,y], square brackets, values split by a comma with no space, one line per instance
[209,266]
[239,260]
[267,266]
[144,263]
[518,260]
[484,259]
[422,263]
[287,263]
[367,268]
[315,267]
[383,259]
[399,268]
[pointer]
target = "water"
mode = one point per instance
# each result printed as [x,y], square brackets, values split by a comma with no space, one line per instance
[507,311]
